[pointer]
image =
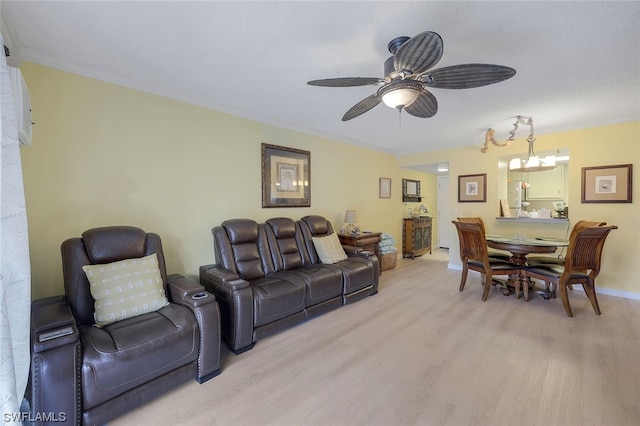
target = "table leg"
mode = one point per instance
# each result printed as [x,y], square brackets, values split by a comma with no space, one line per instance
[510,285]
[518,282]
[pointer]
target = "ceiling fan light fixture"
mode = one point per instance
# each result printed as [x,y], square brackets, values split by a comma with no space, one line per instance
[406,82]
[400,94]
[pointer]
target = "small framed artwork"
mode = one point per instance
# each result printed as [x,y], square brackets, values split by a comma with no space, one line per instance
[384,188]
[504,208]
[286,177]
[472,188]
[607,184]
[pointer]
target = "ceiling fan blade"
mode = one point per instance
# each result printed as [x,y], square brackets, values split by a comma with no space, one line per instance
[419,53]
[346,81]
[425,106]
[467,76]
[361,107]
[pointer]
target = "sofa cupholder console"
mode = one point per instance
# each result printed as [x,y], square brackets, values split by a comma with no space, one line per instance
[269,276]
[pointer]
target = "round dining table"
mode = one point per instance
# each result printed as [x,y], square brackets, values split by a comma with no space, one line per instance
[520,248]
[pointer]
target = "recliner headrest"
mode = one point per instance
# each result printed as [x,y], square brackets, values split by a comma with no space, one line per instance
[317,224]
[241,230]
[282,227]
[112,243]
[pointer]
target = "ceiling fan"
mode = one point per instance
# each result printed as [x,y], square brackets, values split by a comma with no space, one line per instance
[407,77]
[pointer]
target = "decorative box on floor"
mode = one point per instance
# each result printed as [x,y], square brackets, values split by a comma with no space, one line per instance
[387,252]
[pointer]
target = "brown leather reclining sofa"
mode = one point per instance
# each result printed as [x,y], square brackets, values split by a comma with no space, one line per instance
[269,277]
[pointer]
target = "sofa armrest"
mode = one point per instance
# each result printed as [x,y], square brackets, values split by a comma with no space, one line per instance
[52,324]
[203,304]
[184,291]
[235,298]
[364,253]
[352,249]
[375,263]
[54,385]
[216,275]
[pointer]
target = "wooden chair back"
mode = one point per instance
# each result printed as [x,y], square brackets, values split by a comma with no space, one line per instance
[585,250]
[473,245]
[583,224]
[473,220]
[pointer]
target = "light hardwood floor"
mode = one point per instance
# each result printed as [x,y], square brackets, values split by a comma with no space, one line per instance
[422,353]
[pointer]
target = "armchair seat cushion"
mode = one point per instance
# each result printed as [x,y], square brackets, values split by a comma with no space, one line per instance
[275,298]
[131,352]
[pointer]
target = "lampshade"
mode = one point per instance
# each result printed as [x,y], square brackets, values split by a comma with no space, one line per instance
[400,94]
[350,216]
[514,164]
[533,164]
[400,98]
[533,161]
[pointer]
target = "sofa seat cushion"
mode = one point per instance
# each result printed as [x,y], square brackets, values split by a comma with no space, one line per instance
[357,273]
[275,297]
[322,283]
[131,352]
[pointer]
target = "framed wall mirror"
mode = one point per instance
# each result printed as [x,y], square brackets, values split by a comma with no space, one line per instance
[411,190]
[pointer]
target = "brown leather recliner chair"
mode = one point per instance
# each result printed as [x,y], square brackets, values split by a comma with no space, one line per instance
[90,375]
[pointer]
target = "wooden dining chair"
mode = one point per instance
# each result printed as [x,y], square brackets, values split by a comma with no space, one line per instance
[542,260]
[582,265]
[495,254]
[560,260]
[474,255]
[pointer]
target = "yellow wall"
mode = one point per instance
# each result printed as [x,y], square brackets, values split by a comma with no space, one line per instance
[598,146]
[106,155]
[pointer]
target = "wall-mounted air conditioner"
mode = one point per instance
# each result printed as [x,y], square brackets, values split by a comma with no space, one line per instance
[23,105]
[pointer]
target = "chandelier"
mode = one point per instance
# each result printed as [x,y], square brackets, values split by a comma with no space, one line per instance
[533,162]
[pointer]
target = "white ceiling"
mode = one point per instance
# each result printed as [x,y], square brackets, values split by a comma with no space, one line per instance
[577,63]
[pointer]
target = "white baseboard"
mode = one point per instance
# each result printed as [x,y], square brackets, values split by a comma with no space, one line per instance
[612,292]
[600,290]
[453,266]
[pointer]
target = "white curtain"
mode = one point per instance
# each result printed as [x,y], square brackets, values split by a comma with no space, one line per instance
[15,272]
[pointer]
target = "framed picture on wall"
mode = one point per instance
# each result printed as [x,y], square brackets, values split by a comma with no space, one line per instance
[411,191]
[472,188]
[607,184]
[286,177]
[384,188]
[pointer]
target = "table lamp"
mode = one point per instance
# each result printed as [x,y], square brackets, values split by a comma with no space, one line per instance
[350,220]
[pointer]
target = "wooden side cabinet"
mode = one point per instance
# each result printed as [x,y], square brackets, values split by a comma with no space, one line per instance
[416,236]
